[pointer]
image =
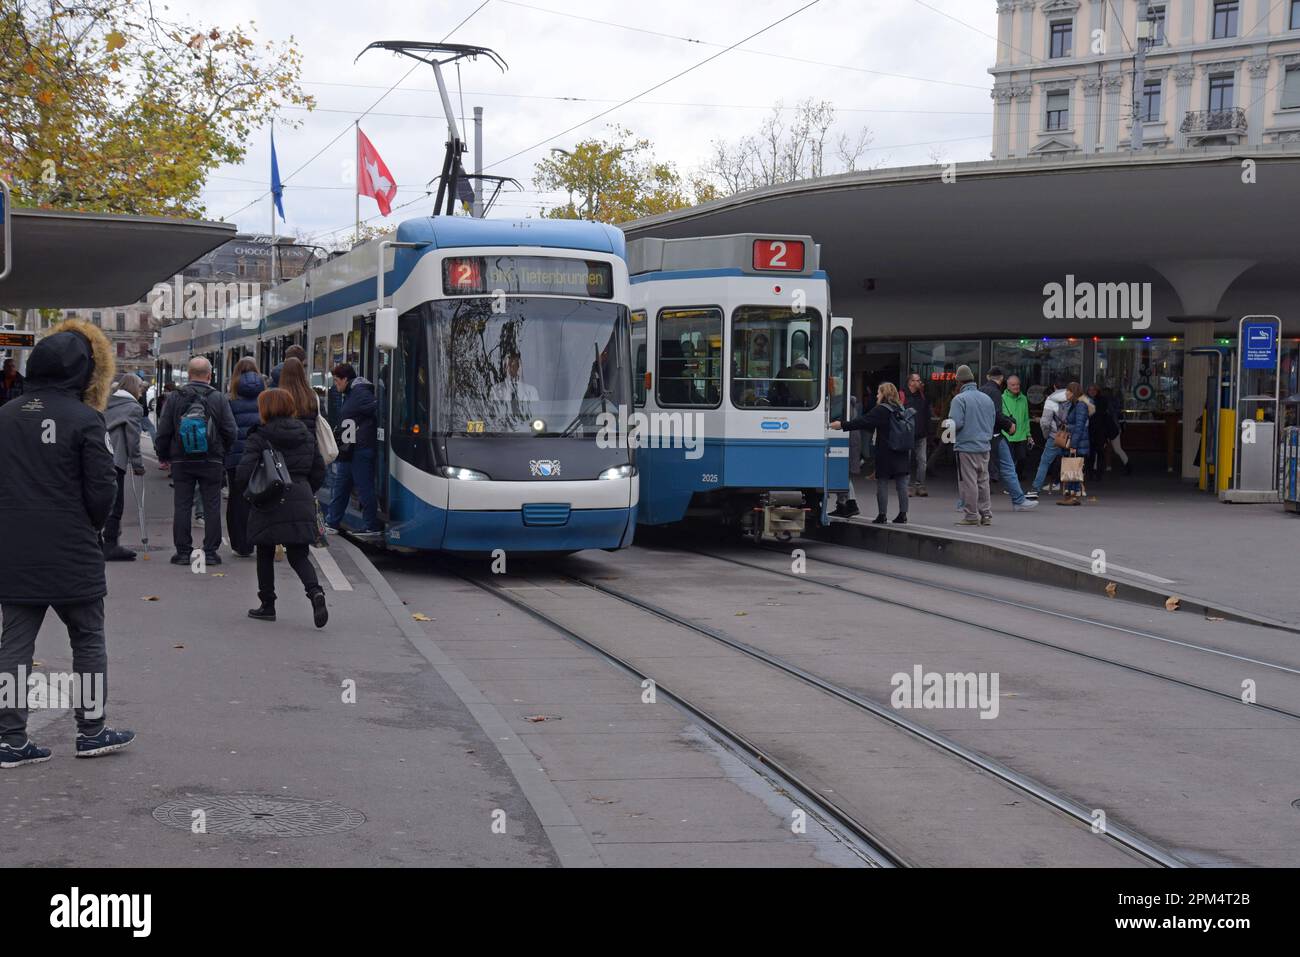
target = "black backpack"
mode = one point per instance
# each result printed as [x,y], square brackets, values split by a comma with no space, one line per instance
[270,481]
[902,429]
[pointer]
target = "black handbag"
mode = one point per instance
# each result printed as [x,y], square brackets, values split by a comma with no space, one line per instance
[270,480]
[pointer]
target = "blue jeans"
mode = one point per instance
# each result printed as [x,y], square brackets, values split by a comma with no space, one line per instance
[1050,454]
[359,471]
[1006,467]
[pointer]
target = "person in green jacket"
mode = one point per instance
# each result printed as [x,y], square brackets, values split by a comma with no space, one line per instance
[1016,404]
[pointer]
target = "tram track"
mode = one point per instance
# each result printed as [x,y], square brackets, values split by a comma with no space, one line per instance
[1024,606]
[1146,848]
[855,834]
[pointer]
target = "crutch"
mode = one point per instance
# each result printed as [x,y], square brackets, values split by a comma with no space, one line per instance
[138,494]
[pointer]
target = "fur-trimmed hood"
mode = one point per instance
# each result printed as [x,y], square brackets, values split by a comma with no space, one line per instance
[74,355]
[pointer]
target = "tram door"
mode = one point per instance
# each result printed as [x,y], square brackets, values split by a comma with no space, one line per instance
[372,363]
[838,381]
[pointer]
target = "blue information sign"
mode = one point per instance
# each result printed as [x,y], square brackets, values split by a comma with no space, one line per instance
[1259,345]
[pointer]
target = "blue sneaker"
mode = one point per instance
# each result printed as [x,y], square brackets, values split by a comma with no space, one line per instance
[11,757]
[92,746]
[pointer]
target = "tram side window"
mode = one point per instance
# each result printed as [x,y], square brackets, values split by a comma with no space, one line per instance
[775,358]
[689,358]
[412,418]
[319,364]
[639,355]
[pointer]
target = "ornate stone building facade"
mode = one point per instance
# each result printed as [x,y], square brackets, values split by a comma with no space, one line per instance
[1218,72]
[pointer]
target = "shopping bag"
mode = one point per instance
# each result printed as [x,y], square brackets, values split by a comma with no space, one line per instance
[1071,468]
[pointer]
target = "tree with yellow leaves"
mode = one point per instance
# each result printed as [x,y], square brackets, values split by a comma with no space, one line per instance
[113,106]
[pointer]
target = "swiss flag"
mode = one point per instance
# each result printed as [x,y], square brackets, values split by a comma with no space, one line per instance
[373,178]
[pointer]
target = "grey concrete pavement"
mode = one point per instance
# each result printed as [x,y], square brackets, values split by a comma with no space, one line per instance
[1154,530]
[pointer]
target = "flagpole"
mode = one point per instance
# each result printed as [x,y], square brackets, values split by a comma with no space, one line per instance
[356,192]
[272,247]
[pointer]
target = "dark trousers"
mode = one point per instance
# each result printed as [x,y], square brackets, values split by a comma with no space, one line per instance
[358,471]
[113,525]
[298,561]
[85,624]
[882,493]
[1019,456]
[207,476]
[236,516]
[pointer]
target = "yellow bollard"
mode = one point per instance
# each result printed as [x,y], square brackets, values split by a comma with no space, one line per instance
[1227,447]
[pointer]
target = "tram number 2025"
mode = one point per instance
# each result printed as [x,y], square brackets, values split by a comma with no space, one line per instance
[709,478]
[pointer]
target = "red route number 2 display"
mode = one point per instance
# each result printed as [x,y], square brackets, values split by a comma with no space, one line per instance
[778,255]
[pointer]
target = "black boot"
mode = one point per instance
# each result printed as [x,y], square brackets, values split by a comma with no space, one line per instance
[320,614]
[113,552]
[265,611]
[900,519]
[880,519]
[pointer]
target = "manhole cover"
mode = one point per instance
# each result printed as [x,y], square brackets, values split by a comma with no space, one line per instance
[259,816]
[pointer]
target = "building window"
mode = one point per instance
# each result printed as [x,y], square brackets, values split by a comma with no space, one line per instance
[1062,39]
[689,357]
[1293,21]
[936,363]
[1144,377]
[70,314]
[1221,93]
[1225,18]
[1291,88]
[1038,363]
[121,321]
[1157,17]
[144,322]
[96,318]
[1151,101]
[121,350]
[1058,111]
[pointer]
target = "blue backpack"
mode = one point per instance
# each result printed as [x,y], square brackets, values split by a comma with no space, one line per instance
[195,427]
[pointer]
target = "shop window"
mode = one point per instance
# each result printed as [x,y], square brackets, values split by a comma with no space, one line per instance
[1038,363]
[1143,376]
[936,363]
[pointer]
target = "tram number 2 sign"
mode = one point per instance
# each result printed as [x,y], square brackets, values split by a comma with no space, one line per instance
[778,255]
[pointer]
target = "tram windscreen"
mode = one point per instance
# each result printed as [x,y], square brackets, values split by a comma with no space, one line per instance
[545,367]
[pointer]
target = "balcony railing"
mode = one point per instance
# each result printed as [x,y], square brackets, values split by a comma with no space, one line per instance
[1215,121]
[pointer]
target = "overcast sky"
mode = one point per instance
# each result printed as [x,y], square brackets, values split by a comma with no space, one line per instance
[564,68]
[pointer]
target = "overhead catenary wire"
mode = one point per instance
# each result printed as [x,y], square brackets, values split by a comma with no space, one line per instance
[661,83]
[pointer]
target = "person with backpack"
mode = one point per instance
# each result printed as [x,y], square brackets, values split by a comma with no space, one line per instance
[293,379]
[282,447]
[122,418]
[196,429]
[919,403]
[246,384]
[1001,461]
[358,448]
[894,426]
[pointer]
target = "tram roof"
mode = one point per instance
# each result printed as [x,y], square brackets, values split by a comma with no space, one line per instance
[454,231]
[69,259]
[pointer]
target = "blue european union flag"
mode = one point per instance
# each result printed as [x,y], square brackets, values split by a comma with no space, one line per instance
[277,188]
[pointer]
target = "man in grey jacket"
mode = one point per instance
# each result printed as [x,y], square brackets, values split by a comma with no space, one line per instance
[972,416]
[122,419]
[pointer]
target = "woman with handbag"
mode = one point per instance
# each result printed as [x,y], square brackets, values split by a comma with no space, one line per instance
[1077,445]
[293,379]
[290,518]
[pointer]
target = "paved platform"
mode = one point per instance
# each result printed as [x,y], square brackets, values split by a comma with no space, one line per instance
[480,716]
[1155,531]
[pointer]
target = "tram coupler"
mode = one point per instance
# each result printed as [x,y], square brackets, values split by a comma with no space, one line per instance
[784,515]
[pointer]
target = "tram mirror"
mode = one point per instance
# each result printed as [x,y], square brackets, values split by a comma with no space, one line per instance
[386,329]
[6,247]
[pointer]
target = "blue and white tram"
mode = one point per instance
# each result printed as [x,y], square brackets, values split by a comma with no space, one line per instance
[511,338]
[730,338]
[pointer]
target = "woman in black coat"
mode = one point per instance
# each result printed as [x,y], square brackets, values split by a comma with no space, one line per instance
[291,522]
[891,466]
[246,384]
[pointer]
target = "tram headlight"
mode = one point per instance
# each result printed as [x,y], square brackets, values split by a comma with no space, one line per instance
[618,472]
[539,426]
[464,475]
